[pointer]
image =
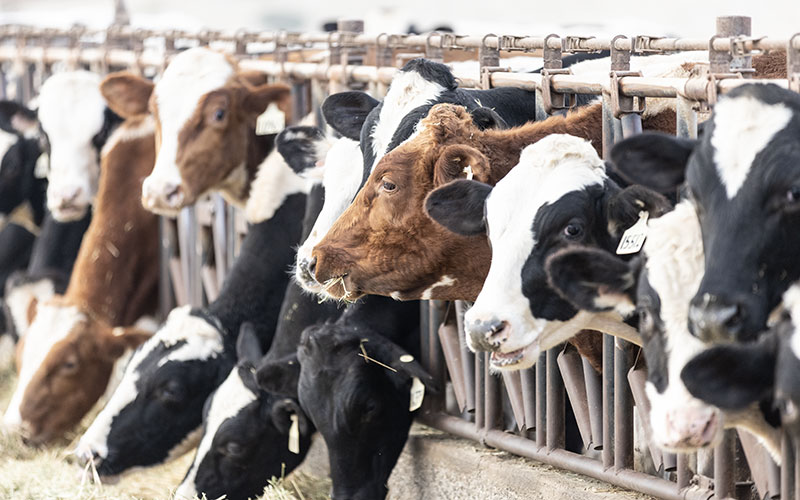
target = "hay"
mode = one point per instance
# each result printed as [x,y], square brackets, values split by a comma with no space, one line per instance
[51,473]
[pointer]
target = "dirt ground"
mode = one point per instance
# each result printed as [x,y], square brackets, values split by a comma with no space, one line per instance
[49,473]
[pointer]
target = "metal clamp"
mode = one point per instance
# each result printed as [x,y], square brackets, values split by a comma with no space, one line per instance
[575,44]
[642,44]
[434,52]
[621,104]
[712,89]
[488,57]
[793,62]
[486,75]
[383,50]
[552,100]
[551,57]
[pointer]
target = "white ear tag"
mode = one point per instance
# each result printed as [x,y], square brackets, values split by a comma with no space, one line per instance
[417,394]
[271,121]
[294,435]
[633,238]
[42,166]
[468,171]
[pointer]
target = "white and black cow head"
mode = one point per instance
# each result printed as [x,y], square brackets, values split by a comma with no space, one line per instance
[744,178]
[558,195]
[74,115]
[155,412]
[245,434]
[19,151]
[765,372]
[360,407]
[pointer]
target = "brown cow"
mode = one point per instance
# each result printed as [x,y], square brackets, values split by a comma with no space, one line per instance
[205,111]
[74,341]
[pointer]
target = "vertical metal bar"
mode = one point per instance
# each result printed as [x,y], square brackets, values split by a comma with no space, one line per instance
[467,356]
[166,246]
[541,114]
[219,233]
[608,400]
[555,402]
[436,318]
[480,391]
[609,125]
[686,123]
[424,320]
[684,474]
[300,104]
[541,400]
[724,485]
[594,398]
[623,406]
[569,363]
[448,337]
[493,397]
[730,26]
[513,384]
[528,381]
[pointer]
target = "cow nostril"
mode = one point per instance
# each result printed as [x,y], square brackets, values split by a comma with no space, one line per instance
[714,320]
[172,193]
[311,265]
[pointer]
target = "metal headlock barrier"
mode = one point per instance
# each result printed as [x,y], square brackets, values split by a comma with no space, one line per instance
[522,412]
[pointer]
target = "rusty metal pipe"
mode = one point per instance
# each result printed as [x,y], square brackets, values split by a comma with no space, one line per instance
[448,337]
[608,401]
[541,400]
[528,386]
[494,402]
[724,485]
[623,406]
[569,363]
[555,403]
[594,399]
[467,357]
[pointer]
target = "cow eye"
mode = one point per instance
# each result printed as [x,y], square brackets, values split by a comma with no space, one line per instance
[69,366]
[219,115]
[171,392]
[389,186]
[793,195]
[232,449]
[573,231]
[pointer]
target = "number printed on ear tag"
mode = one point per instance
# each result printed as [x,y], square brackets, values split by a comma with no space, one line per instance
[294,435]
[417,394]
[633,238]
[271,121]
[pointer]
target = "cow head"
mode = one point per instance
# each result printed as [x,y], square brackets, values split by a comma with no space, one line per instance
[245,434]
[765,371]
[156,410]
[77,122]
[67,360]
[660,290]
[385,244]
[206,114]
[19,151]
[747,194]
[360,407]
[558,195]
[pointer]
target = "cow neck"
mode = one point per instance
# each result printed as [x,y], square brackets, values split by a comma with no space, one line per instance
[115,276]
[254,289]
[389,318]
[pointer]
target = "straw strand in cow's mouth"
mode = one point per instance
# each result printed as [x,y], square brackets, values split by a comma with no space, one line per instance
[332,282]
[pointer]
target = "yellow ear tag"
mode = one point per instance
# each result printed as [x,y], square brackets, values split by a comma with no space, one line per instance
[294,436]
[633,238]
[417,394]
[271,121]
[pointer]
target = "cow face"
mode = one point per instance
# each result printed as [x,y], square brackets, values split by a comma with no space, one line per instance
[360,407]
[662,289]
[558,195]
[206,114]
[245,434]
[74,116]
[67,361]
[19,151]
[156,411]
[746,193]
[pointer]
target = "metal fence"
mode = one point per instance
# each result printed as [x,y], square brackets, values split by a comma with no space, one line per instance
[525,412]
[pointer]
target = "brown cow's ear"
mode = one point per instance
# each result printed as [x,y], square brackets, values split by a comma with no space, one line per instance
[253,78]
[123,338]
[126,94]
[460,162]
[257,99]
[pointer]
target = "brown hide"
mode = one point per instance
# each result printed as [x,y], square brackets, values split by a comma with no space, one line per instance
[114,282]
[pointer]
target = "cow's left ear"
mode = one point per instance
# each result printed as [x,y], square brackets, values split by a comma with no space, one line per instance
[280,376]
[302,147]
[256,99]
[247,346]
[126,94]
[281,413]
[123,338]
[458,206]
[593,279]
[458,162]
[733,376]
[487,118]
[390,354]
[653,159]
[623,207]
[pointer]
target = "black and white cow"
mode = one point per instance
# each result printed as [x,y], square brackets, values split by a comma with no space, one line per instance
[558,195]
[744,178]
[155,414]
[379,126]
[659,285]
[767,371]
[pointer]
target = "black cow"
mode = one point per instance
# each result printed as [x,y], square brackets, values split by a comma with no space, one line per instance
[744,178]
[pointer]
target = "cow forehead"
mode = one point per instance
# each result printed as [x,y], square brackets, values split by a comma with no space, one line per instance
[743,117]
[71,108]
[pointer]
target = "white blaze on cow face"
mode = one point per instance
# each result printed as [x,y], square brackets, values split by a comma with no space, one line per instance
[72,112]
[226,402]
[51,325]
[341,179]
[202,342]
[675,263]
[274,182]
[190,76]
[547,170]
[743,127]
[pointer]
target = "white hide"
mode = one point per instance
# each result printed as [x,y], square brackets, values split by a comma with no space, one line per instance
[71,112]
[19,298]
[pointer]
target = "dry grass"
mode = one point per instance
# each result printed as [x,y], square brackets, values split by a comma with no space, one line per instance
[49,473]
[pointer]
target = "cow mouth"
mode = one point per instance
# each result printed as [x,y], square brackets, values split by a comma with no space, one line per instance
[69,213]
[515,360]
[340,288]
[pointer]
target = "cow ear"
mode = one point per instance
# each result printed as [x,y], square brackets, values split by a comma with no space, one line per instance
[652,159]
[280,376]
[457,162]
[302,147]
[487,118]
[253,78]
[390,354]
[623,207]
[458,206]
[281,413]
[24,121]
[123,338]
[593,279]
[257,99]
[126,94]
[733,376]
[346,112]
[247,346]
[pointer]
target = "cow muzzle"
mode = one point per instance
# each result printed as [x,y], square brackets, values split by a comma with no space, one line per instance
[68,204]
[488,335]
[163,197]
[714,319]
[690,429]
